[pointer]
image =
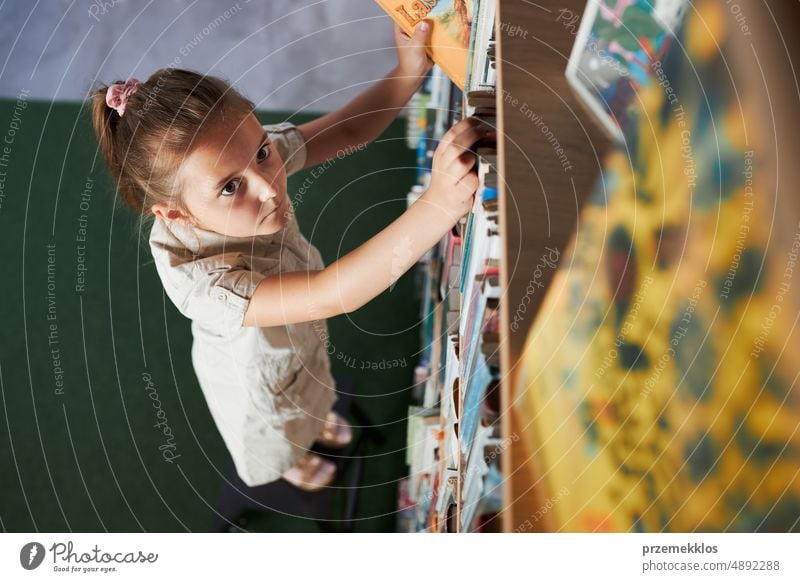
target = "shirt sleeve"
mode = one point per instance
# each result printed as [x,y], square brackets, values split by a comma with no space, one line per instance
[214,291]
[290,145]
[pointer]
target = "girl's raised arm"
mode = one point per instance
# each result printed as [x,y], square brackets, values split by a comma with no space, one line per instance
[364,118]
[364,273]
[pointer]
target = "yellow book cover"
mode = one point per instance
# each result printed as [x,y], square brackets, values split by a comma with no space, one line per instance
[450,20]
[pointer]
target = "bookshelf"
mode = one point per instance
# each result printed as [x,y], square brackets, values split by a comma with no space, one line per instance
[464,443]
[586,437]
[539,198]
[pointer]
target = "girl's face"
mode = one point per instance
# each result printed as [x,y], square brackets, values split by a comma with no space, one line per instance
[234,181]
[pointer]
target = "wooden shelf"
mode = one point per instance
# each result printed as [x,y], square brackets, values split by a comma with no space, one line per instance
[549,155]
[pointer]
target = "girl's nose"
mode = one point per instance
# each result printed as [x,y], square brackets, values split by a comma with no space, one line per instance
[263,184]
[264,188]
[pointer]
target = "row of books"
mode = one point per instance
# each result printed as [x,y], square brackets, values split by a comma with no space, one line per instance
[454,443]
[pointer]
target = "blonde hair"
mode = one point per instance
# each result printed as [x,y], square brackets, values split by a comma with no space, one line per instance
[164,119]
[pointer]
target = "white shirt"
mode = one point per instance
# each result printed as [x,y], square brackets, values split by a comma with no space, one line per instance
[268,389]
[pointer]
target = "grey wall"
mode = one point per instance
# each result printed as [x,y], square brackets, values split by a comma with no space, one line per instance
[286,55]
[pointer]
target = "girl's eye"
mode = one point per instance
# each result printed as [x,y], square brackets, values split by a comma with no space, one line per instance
[230,188]
[263,153]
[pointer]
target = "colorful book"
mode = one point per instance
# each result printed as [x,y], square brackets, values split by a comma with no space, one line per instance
[451,22]
[613,58]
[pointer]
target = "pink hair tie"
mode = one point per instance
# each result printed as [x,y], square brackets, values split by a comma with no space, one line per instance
[118,93]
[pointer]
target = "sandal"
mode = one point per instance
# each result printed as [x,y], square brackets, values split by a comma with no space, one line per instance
[336,433]
[311,473]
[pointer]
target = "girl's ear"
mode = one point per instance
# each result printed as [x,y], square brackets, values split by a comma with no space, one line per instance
[166,212]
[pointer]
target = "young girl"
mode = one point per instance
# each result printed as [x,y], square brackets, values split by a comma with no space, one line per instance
[189,150]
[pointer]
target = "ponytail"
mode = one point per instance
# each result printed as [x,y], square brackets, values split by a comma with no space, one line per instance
[105,121]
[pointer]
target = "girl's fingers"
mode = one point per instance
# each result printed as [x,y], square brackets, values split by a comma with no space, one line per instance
[462,143]
[457,129]
[460,168]
[466,189]
[466,161]
[470,182]
[399,32]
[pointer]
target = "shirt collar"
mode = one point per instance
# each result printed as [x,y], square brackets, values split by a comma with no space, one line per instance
[203,243]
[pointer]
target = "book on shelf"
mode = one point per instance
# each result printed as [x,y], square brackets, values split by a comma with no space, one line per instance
[481,73]
[406,507]
[487,449]
[424,439]
[454,467]
[449,395]
[451,24]
[616,45]
[451,260]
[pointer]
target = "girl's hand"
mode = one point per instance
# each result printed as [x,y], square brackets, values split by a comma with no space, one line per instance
[413,60]
[453,183]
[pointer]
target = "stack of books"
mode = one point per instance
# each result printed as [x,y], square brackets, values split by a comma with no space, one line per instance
[454,443]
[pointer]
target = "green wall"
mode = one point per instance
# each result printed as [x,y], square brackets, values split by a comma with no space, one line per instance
[87,459]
